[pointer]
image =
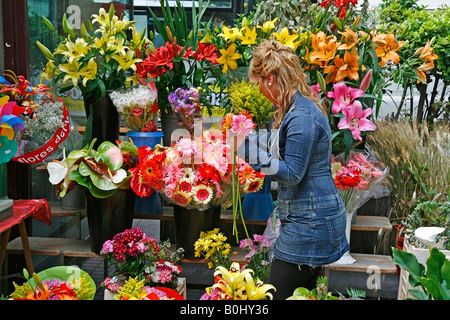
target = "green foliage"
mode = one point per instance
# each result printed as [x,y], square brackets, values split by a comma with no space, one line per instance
[293,14]
[429,213]
[321,293]
[415,25]
[434,280]
[176,22]
[245,96]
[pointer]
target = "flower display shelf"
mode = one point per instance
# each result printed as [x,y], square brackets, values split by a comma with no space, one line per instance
[181,289]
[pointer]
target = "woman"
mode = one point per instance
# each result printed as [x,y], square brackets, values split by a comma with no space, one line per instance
[310,207]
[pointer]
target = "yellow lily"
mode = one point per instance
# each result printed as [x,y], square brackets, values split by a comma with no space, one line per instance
[49,71]
[268,26]
[89,72]
[126,61]
[285,37]
[258,290]
[233,277]
[249,36]
[102,17]
[117,45]
[76,50]
[230,34]
[72,70]
[228,58]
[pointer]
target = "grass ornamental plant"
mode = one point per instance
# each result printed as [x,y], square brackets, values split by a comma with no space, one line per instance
[417,158]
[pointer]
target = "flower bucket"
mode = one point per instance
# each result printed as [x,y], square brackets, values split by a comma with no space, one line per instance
[74,199]
[258,206]
[190,222]
[109,216]
[169,123]
[103,120]
[150,205]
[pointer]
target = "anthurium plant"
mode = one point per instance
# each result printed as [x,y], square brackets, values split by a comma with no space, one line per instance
[102,171]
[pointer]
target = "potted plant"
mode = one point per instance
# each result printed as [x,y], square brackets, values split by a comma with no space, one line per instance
[105,173]
[431,280]
[138,256]
[96,61]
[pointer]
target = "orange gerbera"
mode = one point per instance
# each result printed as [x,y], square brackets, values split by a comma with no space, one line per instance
[386,49]
[246,173]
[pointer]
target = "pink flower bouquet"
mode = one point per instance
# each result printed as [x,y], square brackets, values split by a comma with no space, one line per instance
[197,173]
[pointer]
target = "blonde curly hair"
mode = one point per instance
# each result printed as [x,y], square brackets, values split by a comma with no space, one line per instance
[271,57]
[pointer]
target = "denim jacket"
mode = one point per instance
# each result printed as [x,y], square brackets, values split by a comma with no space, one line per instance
[310,207]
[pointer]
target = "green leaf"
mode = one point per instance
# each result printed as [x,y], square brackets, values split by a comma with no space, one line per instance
[434,264]
[111,155]
[445,273]
[408,261]
[430,286]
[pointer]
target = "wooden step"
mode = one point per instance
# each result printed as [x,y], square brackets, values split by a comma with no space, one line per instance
[54,247]
[365,262]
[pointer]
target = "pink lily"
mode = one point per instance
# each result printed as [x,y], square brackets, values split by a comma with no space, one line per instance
[343,96]
[355,120]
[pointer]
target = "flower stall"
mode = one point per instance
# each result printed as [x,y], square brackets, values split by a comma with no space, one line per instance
[171,159]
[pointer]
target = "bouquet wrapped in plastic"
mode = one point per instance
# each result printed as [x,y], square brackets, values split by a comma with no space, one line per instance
[358,180]
[138,106]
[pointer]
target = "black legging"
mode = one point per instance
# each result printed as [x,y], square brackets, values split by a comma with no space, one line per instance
[286,277]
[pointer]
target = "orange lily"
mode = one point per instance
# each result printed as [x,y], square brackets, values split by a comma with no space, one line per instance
[325,49]
[387,51]
[39,294]
[424,67]
[346,67]
[350,39]
[426,52]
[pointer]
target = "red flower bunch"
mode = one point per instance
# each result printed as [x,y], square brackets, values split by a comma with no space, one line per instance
[127,250]
[341,5]
[159,62]
[356,173]
[173,66]
[195,173]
